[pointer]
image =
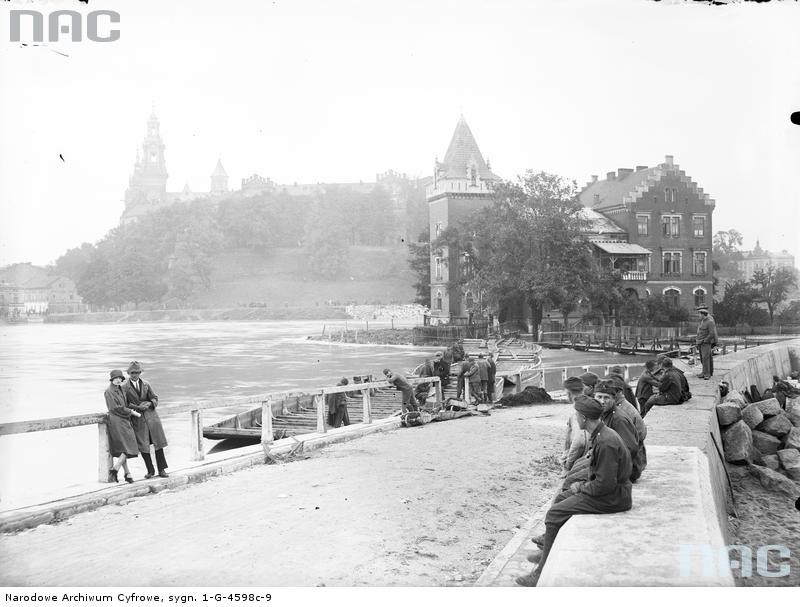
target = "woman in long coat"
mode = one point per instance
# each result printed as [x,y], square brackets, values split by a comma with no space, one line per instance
[121,438]
[148,428]
[337,407]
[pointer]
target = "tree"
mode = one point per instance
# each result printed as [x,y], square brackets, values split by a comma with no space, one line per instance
[326,244]
[420,262]
[772,285]
[528,243]
[663,313]
[74,262]
[725,253]
[738,305]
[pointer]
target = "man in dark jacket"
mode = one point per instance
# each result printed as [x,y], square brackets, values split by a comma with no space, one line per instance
[607,489]
[646,384]
[670,392]
[605,393]
[400,382]
[148,428]
[492,376]
[421,391]
[442,368]
[463,369]
[706,340]
[337,407]
[483,373]
[619,372]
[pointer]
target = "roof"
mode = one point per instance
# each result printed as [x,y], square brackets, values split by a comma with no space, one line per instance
[599,223]
[622,248]
[462,152]
[611,192]
[219,170]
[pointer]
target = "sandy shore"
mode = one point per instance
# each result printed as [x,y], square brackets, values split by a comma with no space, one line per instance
[426,506]
[765,518]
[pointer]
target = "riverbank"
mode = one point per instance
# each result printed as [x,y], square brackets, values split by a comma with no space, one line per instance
[361,513]
[209,315]
[387,337]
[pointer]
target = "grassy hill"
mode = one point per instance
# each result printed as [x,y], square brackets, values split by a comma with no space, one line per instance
[279,277]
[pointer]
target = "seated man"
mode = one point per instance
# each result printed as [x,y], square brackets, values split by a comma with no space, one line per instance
[627,409]
[647,383]
[619,372]
[589,380]
[576,443]
[608,488]
[606,393]
[670,392]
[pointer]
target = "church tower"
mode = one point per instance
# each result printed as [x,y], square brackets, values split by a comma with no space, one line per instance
[148,184]
[219,179]
[462,183]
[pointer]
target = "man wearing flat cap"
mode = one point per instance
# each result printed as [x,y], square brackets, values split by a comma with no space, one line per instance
[148,428]
[606,393]
[705,341]
[607,489]
[589,380]
[576,443]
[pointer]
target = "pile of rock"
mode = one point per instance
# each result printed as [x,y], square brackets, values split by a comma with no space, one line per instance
[762,433]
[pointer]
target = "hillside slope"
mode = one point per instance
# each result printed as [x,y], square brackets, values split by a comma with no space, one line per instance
[279,278]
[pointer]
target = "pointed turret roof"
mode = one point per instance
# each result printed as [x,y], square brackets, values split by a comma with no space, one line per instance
[463,152]
[219,171]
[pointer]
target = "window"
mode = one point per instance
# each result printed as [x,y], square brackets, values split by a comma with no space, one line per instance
[466,264]
[699,226]
[672,262]
[642,225]
[437,301]
[439,227]
[699,297]
[671,226]
[699,263]
[673,297]
[437,265]
[469,300]
[642,264]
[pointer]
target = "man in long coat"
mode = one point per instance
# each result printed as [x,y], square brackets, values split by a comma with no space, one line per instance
[337,407]
[706,340]
[607,489]
[148,428]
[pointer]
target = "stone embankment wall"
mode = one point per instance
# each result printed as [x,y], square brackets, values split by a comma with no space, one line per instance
[372,336]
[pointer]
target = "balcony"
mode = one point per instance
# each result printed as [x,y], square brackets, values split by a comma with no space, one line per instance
[635,275]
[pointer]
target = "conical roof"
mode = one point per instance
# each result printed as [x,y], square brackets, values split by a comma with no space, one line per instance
[463,152]
[219,171]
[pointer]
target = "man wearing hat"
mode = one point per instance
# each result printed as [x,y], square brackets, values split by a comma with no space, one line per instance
[607,489]
[606,393]
[589,380]
[670,391]
[623,407]
[576,443]
[148,428]
[618,371]
[706,340]
[442,368]
[647,383]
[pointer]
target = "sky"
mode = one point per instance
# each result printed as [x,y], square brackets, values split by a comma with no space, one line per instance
[314,91]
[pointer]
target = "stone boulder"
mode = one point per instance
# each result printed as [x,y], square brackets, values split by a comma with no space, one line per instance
[752,416]
[774,481]
[793,411]
[728,413]
[771,461]
[769,407]
[735,397]
[737,442]
[790,460]
[766,443]
[792,440]
[777,425]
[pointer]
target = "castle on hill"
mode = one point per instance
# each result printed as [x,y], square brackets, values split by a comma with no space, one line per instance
[147,187]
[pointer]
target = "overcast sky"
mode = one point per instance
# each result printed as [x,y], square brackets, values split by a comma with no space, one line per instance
[339,91]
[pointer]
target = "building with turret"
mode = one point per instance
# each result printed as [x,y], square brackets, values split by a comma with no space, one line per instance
[759,259]
[462,183]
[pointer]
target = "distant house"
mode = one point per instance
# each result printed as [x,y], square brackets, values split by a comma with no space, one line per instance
[759,259]
[27,289]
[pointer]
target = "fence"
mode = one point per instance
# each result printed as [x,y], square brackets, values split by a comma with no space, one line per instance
[195,409]
[449,333]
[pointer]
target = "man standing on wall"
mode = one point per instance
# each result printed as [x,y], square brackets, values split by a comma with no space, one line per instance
[706,340]
[148,429]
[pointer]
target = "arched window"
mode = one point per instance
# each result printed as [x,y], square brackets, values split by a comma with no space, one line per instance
[673,297]
[469,300]
[437,302]
[699,297]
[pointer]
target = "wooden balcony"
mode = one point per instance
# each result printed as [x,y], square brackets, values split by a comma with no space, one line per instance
[635,275]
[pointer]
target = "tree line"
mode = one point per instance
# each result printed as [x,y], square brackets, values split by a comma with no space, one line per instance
[168,254]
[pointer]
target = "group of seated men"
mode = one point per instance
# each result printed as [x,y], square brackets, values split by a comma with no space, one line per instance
[604,453]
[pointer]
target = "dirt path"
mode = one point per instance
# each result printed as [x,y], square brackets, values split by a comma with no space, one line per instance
[427,506]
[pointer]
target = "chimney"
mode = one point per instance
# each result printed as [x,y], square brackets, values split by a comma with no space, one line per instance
[594,178]
[641,167]
[611,176]
[624,173]
[668,160]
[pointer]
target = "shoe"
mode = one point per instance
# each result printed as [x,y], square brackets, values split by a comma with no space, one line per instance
[538,540]
[535,557]
[528,580]
[112,476]
[149,475]
[128,478]
[163,474]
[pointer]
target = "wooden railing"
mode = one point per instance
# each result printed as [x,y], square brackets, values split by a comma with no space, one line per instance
[196,408]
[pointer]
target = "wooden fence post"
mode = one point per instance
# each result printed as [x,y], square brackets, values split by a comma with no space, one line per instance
[104,460]
[267,435]
[438,385]
[367,404]
[466,389]
[196,435]
[563,374]
[319,405]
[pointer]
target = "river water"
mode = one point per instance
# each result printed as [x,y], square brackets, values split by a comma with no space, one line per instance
[51,370]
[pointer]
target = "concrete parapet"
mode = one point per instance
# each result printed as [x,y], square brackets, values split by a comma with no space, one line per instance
[665,539]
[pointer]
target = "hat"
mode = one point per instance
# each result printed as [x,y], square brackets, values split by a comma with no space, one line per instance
[618,369]
[589,378]
[387,371]
[616,381]
[116,373]
[573,383]
[588,406]
[606,386]
[702,309]
[438,355]
[135,367]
